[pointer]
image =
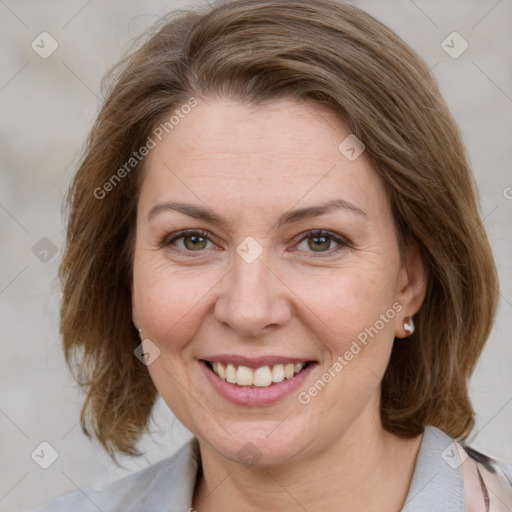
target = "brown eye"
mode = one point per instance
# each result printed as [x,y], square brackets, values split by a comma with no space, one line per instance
[194,242]
[321,242]
[187,241]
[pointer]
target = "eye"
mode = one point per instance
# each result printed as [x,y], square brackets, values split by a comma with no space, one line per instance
[196,241]
[188,241]
[320,241]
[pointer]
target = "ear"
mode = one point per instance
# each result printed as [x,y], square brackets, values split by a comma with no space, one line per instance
[412,286]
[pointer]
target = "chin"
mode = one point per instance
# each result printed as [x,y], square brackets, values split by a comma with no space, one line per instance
[260,449]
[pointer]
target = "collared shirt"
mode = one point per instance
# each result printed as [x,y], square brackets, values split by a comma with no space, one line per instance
[448,477]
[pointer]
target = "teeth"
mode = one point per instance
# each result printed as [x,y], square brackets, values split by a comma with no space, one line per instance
[244,376]
[230,373]
[220,371]
[260,377]
[289,370]
[278,373]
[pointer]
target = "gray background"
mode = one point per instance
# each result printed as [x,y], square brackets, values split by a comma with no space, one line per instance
[46,108]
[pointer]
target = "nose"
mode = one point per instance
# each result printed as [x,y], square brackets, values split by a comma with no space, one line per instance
[254,299]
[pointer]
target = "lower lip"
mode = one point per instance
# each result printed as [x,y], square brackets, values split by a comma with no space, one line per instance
[253,395]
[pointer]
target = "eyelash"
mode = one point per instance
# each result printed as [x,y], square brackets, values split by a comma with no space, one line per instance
[167,241]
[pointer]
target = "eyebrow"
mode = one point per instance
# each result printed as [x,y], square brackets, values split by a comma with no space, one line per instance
[207,215]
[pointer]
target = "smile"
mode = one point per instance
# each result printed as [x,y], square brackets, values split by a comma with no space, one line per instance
[263,376]
[261,385]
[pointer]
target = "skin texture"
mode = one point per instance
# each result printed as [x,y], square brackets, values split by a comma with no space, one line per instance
[251,165]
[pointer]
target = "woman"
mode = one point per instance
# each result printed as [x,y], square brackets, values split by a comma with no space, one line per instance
[274,227]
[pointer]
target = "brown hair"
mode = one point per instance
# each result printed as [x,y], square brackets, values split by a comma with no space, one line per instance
[256,52]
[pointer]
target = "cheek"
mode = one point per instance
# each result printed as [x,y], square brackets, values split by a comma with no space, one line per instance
[352,316]
[170,303]
[348,301]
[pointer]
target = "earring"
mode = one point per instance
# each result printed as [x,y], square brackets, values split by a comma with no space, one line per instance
[140,334]
[409,326]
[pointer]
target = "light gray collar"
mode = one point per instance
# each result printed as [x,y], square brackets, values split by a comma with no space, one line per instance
[172,490]
[436,485]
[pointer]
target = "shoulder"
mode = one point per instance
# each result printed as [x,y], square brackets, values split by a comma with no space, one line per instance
[169,481]
[451,476]
[487,480]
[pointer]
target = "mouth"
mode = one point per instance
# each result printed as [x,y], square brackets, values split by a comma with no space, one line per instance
[256,381]
[261,377]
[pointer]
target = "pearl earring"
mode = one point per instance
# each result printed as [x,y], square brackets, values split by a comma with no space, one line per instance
[409,326]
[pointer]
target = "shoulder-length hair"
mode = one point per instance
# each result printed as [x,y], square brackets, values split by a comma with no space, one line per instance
[257,52]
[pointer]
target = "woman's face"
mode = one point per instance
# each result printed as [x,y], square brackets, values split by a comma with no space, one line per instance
[248,286]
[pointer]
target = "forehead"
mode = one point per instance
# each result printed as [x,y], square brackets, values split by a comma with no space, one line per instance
[221,128]
[282,153]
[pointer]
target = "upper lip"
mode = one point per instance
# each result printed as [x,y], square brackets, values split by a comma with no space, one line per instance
[254,362]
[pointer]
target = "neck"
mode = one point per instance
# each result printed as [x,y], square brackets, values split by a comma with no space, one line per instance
[365,469]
